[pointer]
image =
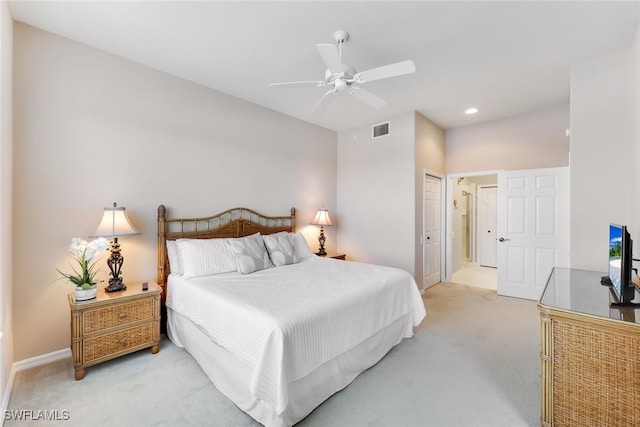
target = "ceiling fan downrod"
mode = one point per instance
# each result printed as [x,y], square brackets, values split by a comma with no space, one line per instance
[340,37]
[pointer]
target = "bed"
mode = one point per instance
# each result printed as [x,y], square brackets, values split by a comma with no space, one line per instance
[277,329]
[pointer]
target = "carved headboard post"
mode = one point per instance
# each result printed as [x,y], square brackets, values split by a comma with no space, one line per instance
[293,220]
[162,238]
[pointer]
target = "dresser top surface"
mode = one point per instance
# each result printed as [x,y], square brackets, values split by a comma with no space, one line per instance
[580,291]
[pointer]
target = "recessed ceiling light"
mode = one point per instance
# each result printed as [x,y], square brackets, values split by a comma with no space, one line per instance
[472,110]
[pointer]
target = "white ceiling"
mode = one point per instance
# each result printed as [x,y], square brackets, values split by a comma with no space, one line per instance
[505,58]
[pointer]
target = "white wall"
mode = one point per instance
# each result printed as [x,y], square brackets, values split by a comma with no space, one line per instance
[429,156]
[6,142]
[604,146]
[635,187]
[91,128]
[527,141]
[376,194]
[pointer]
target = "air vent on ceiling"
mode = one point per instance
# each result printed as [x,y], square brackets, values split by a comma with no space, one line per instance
[381,130]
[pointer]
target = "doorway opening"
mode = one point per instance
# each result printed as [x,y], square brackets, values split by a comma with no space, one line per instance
[471,211]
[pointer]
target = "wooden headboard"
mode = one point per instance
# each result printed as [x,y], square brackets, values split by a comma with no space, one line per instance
[236,222]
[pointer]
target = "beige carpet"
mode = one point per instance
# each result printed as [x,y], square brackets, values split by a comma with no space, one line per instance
[473,362]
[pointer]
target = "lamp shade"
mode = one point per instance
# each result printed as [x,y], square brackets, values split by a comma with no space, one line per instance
[322,218]
[115,223]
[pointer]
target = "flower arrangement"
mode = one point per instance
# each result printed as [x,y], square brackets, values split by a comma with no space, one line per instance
[84,252]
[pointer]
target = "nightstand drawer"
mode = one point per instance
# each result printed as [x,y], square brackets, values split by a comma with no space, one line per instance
[113,316]
[110,344]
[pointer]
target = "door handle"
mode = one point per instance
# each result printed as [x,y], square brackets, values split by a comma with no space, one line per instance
[502,239]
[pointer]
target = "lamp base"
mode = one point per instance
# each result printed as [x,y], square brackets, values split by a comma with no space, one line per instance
[115,262]
[115,287]
[321,239]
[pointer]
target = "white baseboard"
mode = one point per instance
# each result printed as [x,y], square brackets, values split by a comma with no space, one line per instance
[41,360]
[26,364]
[7,392]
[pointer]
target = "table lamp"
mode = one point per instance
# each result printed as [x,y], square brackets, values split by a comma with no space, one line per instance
[115,224]
[321,219]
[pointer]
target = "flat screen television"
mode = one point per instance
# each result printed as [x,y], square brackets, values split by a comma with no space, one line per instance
[620,263]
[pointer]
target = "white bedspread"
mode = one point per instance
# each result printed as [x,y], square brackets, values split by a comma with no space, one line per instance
[286,321]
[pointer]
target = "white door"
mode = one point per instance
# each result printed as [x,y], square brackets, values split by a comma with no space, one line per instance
[533,229]
[432,231]
[487,225]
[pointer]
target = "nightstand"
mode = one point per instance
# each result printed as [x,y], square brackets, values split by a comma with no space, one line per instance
[334,255]
[114,324]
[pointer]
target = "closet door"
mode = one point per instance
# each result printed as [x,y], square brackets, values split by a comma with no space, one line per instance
[432,230]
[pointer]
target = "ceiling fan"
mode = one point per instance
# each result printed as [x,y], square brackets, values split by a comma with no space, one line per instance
[343,78]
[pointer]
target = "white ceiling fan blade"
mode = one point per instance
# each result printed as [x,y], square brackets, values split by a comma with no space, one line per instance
[324,101]
[298,84]
[392,70]
[367,97]
[331,57]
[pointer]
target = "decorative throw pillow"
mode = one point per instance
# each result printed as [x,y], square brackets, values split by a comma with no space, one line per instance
[280,248]
[301,248]
[174,259]
[204,257]
[250,252]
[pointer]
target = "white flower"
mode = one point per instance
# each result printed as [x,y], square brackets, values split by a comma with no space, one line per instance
[83,253]
[96,246]
[77,246]
[87,250]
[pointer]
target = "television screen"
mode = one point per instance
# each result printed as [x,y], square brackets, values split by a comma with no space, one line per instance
[615,255]
[620,253]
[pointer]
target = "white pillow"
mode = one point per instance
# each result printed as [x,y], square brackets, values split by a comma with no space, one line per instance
[174,259]
[204,257]
[280,248]
[301,248]
[250,252]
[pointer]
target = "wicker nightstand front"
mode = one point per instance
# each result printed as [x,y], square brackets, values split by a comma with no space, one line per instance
[114,324]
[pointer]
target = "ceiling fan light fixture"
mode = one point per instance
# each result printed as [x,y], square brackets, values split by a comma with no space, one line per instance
[341,85]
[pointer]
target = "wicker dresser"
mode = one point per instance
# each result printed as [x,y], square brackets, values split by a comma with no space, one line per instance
[114,324]
[590,354]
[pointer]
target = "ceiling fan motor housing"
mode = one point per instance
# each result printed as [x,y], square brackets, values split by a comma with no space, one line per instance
[348,74]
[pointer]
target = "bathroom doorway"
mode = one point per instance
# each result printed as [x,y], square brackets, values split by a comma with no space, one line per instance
[464,213]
